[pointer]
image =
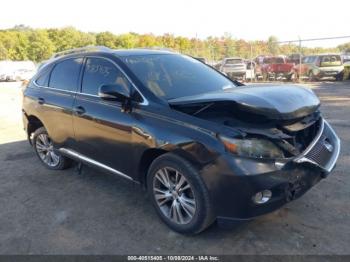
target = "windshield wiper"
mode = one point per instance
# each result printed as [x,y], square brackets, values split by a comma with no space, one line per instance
[203,108]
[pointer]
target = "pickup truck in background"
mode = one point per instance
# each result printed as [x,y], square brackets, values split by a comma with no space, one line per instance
[275,67]
[234,68]
[316,67]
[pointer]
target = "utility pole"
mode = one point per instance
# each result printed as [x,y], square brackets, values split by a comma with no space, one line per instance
[252,68]
[299,59]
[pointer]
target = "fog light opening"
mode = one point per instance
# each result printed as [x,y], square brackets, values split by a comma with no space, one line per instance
[262,197]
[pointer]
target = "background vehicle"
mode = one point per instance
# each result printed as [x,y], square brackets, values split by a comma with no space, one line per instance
[275,67]
[345,57]
[294,58]
[203,147]
[253,71]
[234,67]
[316,67]
[21,75]
[16,70]
[5,70]
[346,70]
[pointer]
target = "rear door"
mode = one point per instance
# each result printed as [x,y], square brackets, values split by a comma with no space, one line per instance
[56,90]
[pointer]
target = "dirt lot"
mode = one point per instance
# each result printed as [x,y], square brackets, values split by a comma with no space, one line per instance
[62,212]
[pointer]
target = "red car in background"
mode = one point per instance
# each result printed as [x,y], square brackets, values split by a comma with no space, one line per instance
[275,67]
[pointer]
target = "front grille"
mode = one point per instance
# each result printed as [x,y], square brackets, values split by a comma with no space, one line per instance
[320,154]
[324,149]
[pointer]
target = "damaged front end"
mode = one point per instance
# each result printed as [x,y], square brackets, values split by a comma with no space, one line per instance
[279,122]
[282,148]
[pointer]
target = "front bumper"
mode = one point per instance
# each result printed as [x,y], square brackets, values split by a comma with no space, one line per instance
[329,73]
[232,181]
[280,74]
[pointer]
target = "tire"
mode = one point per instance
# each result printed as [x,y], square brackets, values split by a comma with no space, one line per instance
[178,201]
[265,77]
[44,147]
[290,77]
[312,76]
[339,77]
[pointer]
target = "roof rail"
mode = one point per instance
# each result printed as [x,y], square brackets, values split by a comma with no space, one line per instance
[160,48]
[81,50]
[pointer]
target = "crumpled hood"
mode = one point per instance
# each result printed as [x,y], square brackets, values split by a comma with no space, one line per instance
[279,102]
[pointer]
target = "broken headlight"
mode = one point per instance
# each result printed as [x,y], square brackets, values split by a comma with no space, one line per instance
[253,147]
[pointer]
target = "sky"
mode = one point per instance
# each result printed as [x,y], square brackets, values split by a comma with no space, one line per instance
[243,19]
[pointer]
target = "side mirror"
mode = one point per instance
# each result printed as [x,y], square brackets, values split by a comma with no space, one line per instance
[114,92]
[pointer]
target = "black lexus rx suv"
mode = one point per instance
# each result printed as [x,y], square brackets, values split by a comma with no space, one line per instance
[204,147]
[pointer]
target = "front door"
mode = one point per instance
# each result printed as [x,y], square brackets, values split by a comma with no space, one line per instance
[102,130]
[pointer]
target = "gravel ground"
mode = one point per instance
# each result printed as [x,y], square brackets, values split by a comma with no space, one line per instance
[62,212]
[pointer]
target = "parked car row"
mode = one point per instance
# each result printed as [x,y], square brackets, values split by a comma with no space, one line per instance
[16,70]
[313,67]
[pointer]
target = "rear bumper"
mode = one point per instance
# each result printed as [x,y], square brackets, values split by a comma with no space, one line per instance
[234,72]
[232,182]
[283,74]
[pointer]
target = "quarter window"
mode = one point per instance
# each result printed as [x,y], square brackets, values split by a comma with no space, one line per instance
[99,71]
[65,74]
[43,79]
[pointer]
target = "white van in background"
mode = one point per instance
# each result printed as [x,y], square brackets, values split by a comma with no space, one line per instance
[16,70]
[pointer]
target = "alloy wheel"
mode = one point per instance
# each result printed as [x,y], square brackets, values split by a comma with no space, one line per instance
[45,150]
[174,195]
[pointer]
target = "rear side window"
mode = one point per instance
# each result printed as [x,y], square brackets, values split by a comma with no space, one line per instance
[99,71]
[233,61]
[65,75]
[43,79]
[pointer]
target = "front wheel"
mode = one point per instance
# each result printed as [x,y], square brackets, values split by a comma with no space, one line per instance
[44,149]
[179,195]
[312,77]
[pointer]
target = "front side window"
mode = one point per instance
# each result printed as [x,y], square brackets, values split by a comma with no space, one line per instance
[65,75]
[98,72]
[171,76]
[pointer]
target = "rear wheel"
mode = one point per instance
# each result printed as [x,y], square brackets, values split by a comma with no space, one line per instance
[179,195]
[44,149]
[265,77]
[312,76]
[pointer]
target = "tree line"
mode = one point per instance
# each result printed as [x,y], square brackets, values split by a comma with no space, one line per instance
[24,43]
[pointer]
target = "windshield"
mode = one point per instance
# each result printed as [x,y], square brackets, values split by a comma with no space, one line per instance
[171,76]
[233,61]
[273,60]
[331,60]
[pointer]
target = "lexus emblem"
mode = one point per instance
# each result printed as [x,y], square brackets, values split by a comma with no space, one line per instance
[328,146]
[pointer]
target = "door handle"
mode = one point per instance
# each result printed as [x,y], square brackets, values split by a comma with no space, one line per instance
[41,101]
[79,110]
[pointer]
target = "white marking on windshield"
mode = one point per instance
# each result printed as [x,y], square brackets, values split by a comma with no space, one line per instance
[227,87]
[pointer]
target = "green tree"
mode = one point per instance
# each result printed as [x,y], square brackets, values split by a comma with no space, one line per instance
[273,46]
[40,47]
[344,47]
[106,39]
[127,40]
[3,52]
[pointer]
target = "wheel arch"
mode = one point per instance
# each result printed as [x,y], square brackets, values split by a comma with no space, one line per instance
[33,124]
[193,152]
